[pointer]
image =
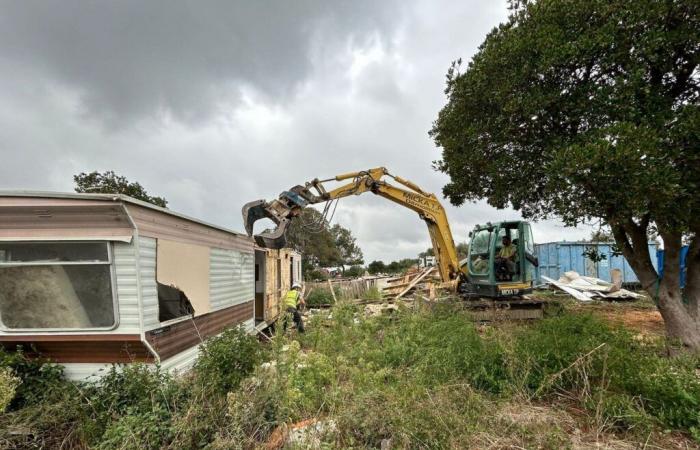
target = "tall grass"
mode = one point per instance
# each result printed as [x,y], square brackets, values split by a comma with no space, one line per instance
[416,379]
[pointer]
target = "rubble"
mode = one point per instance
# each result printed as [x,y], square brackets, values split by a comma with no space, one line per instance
[585,288]
[377,309]
[416,281]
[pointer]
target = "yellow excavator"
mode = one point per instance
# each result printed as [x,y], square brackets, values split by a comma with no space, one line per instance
[481,275]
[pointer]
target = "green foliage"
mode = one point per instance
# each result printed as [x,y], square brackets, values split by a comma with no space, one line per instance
[312,274]
[568,101]
[424,379]
[320,296]
[228,358]
[583,110]
[310,234]
[110,183]
[354,272]
[320,244]
[376,267]
[132,403]
[401,265]
[8,387]
[393,267]
[143,430]
[350,253]
[41,380]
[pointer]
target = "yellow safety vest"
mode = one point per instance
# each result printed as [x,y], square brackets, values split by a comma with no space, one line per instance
[290,300]
[507,251]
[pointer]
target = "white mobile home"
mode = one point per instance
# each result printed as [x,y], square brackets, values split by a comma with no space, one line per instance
[92,279]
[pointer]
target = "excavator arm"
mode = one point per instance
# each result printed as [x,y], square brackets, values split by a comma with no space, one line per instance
[290,203]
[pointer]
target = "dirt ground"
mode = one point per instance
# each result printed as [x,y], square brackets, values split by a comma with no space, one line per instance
[637,315]
[645,321]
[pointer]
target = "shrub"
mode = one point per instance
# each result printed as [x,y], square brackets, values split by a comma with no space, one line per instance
[227,359]
[142,430]
[8,387]
[354,272]
[41,380]
[316,275]
[320,297]
[130,390]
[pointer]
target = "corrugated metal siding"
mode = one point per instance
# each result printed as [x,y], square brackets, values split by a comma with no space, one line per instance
[127,287]
[86,371]
[231,278]
[684,263]
[555,258]
[147,274]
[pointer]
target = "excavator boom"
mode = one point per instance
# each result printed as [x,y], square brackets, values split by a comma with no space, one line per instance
[290,203]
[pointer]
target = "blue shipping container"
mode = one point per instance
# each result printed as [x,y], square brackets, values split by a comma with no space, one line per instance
[660,263]
[558,257]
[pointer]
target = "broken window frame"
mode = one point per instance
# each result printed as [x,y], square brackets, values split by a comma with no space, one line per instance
[112,282]
[174,320]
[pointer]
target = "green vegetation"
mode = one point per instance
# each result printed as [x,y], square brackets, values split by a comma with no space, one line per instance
[566,102]
[321,244]
[393,267]
[110,183]
[422,379]
[320,296]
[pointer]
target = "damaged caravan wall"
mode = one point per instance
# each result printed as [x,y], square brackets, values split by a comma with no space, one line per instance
[172,303]
[55,286]
[183,268]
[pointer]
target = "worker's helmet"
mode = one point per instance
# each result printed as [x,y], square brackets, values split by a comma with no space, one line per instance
[296,286]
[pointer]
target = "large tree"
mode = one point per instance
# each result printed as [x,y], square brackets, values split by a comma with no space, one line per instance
[345,242]
[110,183]
[589,110]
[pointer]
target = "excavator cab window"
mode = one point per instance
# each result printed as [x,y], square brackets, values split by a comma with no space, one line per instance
[507,263]
[479,252]
[530,260]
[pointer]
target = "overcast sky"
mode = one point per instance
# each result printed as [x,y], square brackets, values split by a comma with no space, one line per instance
[215,103]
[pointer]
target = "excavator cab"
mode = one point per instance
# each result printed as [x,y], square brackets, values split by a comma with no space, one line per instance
[493,271]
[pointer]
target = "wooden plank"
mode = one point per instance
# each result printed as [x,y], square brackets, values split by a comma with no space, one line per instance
[330,286]
[414,282]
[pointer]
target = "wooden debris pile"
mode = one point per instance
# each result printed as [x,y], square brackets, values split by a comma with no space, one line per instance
[424,282]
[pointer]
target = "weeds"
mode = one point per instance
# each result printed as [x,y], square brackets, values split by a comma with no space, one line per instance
[419,379]
[320,297]
[228,358]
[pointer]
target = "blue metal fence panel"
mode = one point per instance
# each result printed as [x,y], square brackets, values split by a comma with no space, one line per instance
[555,258]
[684,269]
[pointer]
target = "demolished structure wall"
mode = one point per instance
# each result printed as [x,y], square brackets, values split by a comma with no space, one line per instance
[277,270]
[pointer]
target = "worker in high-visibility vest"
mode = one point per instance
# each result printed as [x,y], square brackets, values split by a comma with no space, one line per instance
[292,301]
[505,259]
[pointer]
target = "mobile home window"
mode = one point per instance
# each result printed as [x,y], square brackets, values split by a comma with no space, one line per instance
[56,285]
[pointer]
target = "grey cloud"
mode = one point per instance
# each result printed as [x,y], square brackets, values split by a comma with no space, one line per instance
[129,59]
[221,105]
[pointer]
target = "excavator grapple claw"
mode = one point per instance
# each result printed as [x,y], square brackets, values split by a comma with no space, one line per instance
[260,209]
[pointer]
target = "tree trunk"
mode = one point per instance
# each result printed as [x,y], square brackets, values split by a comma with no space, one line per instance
[679,320]
[681,314]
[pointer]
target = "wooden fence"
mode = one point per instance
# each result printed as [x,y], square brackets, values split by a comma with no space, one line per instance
[348,288]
